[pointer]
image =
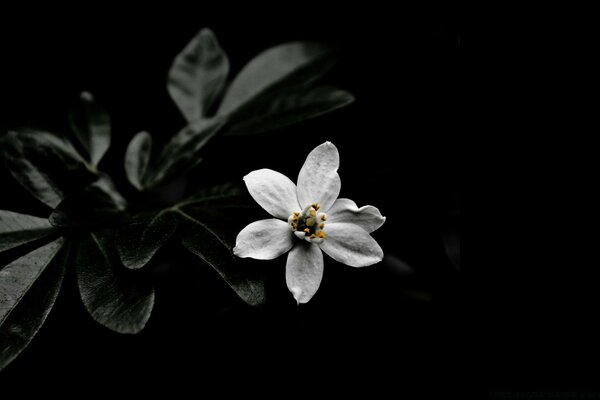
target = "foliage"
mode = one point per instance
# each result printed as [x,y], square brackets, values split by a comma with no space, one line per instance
[93,231]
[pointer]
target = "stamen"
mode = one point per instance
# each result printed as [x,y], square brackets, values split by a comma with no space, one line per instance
[307,224]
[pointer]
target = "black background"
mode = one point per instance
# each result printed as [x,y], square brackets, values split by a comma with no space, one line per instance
[399,324]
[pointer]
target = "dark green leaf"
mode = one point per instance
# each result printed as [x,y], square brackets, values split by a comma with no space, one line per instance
[139,240]
[181,153]
[17,229]
[17,277]
[26,301]
[89,207]
[280,66]
[137,158]
[116,297]
[106,185]
[289,107]
[46,165]
[229,194]
[91,125]
[200,237]
[197,76]
[451,239]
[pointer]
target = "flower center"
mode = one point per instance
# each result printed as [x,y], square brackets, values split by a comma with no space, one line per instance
[309,224]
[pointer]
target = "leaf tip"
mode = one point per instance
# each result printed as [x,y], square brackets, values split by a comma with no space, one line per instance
[86,96]
[350,98]
[206,32]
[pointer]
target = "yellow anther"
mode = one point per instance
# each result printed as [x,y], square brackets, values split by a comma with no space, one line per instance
[316,206]
[295,219]
[323,217]
[312,213]
[296,213]
[294,226]
[307,230]
[313,236]
[322,235]
[321,225]
[310,222]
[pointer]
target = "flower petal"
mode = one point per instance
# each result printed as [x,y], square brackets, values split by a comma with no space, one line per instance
[351,245]
[304,271]
[264,240]
[318,180]
[273,191]
[345,210]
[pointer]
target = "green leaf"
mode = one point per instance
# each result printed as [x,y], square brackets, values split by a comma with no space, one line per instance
[106,185]
[91,125]
[145,234]
[451,239]
[286,108]
[28,289]
[181,153]
[200,237]
[137,158]
[90,207]
[18,276]
[17,229]
[46,165]
[116,297]
[197,76]
[228,194]
[277,67]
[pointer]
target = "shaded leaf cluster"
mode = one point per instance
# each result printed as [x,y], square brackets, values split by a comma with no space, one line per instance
[90,228]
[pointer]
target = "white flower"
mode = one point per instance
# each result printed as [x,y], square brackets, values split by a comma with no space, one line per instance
[311,218]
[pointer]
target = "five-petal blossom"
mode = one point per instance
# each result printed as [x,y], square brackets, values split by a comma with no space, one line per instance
[309,218]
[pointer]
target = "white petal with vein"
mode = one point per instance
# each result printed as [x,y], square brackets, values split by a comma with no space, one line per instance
[351,245]
[318,180]
[345,210]
[264,240]
[304,271]
[273,191]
